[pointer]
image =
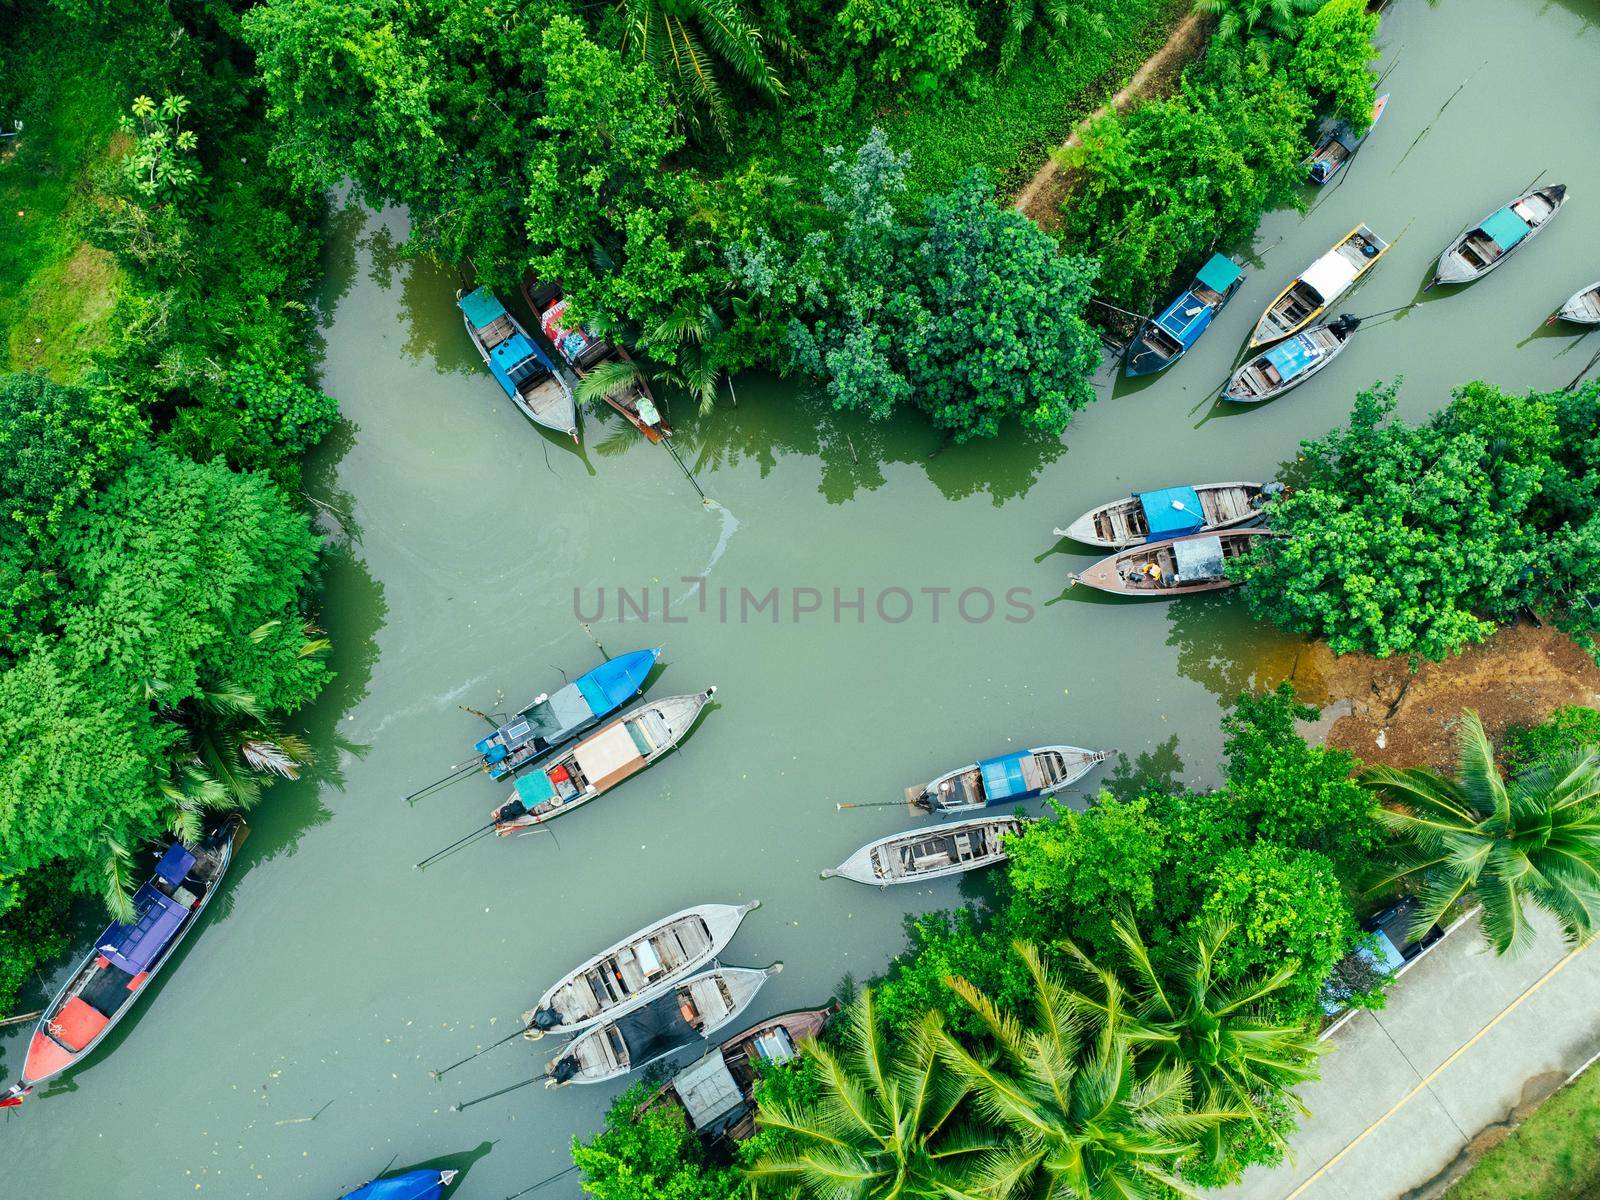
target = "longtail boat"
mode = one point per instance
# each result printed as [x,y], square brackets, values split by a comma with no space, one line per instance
[642,964]
[923,854]
[584,350]
[717,1093]
[1290,363]
[127,957]
[598,763]
[549,722]
[1323,282]
[523,371]
[1165,339]
[1165,513]
[1015,777]
[1581,308]
[1337,144]
[1167,570]
[689,1013]
[1483,247]
[411,1185]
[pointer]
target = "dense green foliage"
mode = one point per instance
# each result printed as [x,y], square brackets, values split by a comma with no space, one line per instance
[1564,731]
[156,566]
[1422,539]
[1505,844]
[649,1154]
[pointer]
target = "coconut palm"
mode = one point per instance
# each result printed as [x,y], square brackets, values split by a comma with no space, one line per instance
[690,336]
[237,748]
[1177,1014]
[885,1125]
[1241,18]
[1505,843]
[1022,15]
[684,40]
[1086,1120]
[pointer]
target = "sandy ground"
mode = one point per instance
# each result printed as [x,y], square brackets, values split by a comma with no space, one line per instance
[1042,196]
[1386,714]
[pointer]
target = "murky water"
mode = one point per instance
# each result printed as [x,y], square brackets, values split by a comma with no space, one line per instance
[287,1052]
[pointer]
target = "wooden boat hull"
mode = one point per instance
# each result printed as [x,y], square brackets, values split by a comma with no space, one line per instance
[47,1057]
[920,855]
[1582,307]
[593,767]
[1337,146]
[677,946]
[1120,523]
[1463,260]
[1121,574]
[1320,285]
[683,1016]
[560,414]
[1170,335]
[1316,348]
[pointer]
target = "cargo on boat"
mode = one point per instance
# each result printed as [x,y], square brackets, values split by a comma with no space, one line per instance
[1167,570]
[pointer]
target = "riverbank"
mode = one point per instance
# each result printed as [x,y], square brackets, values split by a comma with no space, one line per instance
[1547,1153]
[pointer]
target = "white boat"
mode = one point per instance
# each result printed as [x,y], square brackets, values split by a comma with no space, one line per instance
[1015,777]
[684,1016]
[923,854]
[638,967]
[1323,282]
[1483,247]
[1168,512]
[1581,308]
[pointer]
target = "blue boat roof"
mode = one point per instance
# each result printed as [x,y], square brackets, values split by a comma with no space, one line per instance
[1172,511]
[1186,318]
[1002,777]
[1220,273]
[481,307]
[534,788]
[1505,227]
[412,1185]
[1291,357]
[515,352]
[175,864]
[610,684]
[156,919]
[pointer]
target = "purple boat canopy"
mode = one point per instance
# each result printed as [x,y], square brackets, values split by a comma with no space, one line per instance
[175,864]
[134,947]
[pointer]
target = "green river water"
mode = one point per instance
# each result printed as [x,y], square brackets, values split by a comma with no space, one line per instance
[331,976]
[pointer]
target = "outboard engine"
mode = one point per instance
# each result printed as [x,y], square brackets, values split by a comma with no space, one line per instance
[511,810]
[564,1069]
[546,1018]
[1346,323]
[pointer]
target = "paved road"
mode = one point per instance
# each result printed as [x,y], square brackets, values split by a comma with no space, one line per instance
[1449,999]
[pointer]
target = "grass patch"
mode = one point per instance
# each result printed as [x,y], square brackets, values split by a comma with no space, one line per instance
[1553,1155]
[55,291]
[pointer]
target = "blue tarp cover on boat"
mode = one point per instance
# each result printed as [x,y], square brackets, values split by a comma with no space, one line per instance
[610,684]
[1291,357]
[1172,511]
[481,307]
[1186,318]
[1219,274]
[1002,777]
[134,947]
[175,863]
[413,1185]
[1505,227]
[534,788]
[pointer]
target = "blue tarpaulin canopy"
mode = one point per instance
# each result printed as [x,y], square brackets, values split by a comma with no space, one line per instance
[1002,777]
[1291,357]
[481,307]
[413,1185]
[175,863]
[1505,227]
[134,947]
[1172,511]
[1219,274]
[534,788]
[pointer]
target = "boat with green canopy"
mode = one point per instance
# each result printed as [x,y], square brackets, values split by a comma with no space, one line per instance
[1483,247]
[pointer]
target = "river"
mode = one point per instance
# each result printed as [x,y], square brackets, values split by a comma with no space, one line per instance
[286,1053]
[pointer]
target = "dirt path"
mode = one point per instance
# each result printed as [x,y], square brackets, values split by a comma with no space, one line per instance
[1041,197]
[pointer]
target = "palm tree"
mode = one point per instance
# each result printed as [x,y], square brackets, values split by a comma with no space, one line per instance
[1534,838]
[673,36]
[691,335]
[885,1126]
[1085,1122]
[1239,19]
[1021,15]
[1177,1010]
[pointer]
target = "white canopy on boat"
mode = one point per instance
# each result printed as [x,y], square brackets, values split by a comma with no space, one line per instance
[607,752]
[1329,276]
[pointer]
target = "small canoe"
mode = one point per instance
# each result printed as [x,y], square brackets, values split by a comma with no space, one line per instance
[1289,364]
[1169,512]
[1478,250]
[717,1093]
[1581,308]
[1323,282]
[1166,570]
[584,350]
[598,763]
[523,371]
[1010,778]
[410,1185]
[642,964]
[549,722]
[1167,338]
[684,1016]
[923,854]
[1337,144]
[127,957]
